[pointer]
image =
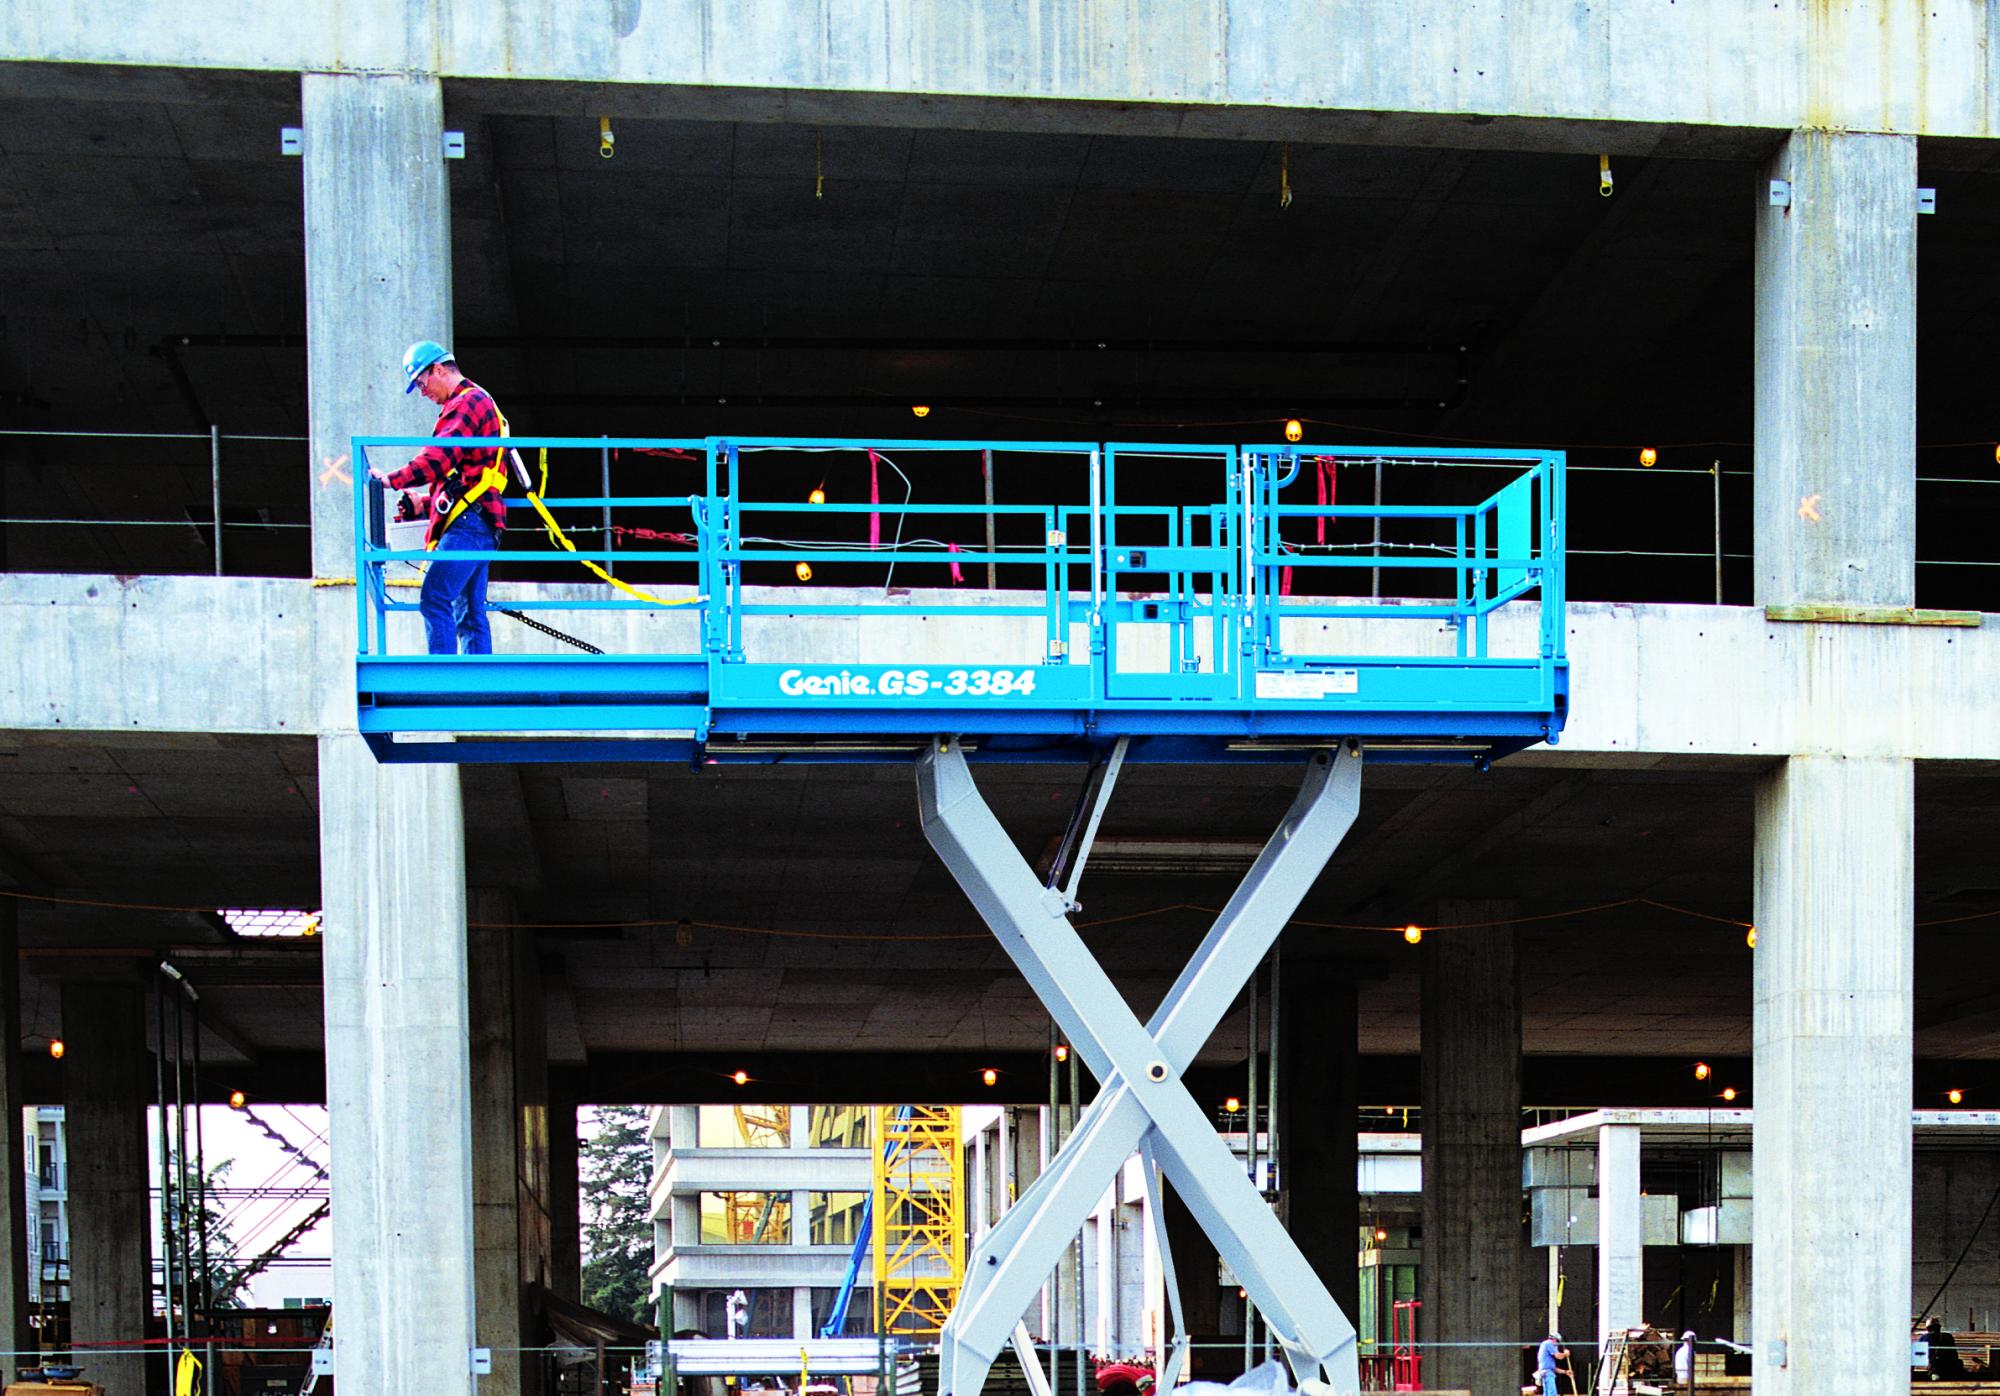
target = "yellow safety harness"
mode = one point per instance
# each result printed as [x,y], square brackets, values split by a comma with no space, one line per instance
[493,478]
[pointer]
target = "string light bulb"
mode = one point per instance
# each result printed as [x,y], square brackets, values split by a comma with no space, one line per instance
[1750,938]
[741,1078]
[1380,1234]
[1729,1092]
[920,410]
[1294,429]
[1232,1105]
[990,1076]
[1701,1072]
[56,1048]
[1648,456]
[1955,1096]
[1062,1051]
[804,571]
[1413,934]
[237,1100]
[818,496]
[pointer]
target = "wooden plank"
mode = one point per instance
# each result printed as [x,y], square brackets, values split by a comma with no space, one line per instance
[1834,613]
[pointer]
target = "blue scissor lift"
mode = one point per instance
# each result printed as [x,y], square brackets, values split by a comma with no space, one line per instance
[1137,621]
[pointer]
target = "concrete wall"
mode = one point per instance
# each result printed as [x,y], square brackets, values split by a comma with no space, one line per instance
[1317,70]
[1950,1218]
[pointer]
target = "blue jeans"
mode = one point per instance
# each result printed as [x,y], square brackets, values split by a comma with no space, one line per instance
[1547,1380]
[453,599]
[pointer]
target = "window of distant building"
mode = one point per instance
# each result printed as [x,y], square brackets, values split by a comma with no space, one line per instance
[838,1127]
[770,1313]
[833,1218]
[860,1311]
[746,1219]
[743,1127]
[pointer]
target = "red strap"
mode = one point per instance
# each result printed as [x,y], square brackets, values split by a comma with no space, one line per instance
[650,535]
[1326,491]
[957,572]
[874,497]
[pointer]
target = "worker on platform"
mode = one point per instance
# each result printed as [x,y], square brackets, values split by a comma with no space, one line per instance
[466,511]
[1684,1361]
[1946,1365]
[1549,1359]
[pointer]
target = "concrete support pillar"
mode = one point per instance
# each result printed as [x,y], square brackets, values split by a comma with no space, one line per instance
[1319,1104]
[1833,1042]
[18,1238]
[1471,1097]
[1621,1242]
[565,1192]
[1836,303]
[1836,366]
[107,1082]
[392,851]
[378,274]
[510,1141]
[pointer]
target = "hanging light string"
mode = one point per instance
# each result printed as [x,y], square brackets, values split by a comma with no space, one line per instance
[1399,928]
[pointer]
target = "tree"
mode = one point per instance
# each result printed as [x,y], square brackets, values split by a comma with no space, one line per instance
[613,1167]
[225,1268]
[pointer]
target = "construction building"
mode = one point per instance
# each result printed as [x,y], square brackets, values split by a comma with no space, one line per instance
[1629,296]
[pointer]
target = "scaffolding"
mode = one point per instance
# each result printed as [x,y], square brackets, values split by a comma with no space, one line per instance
[918,1201]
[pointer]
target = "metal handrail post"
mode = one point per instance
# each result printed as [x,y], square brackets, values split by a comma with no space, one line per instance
[215,489]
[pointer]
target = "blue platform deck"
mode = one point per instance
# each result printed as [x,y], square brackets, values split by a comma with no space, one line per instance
[1197,599]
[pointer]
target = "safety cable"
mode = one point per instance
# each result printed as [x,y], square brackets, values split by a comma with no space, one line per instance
[1977,1228]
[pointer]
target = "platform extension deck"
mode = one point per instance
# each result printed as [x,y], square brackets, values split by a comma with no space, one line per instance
[1200,600]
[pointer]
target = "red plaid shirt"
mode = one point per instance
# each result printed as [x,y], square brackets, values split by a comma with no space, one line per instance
[451,473]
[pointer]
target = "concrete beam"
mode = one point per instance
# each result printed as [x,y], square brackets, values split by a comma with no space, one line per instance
[1652,682]
[1235,67]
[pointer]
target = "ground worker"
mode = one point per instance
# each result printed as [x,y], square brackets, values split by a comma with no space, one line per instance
[466,511]
[1549,1360]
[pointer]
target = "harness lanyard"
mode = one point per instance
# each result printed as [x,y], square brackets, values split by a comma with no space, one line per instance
[494,478]
[556,536]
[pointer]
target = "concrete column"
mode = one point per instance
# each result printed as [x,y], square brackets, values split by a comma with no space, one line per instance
[378,274]
[392,854]
[107,1082]
[1740,1291]
[1621,1241]
[1471,1277]
[1836,360]
[565,1192]
[1319,1104]
[510,1141]
[1833,1042]
[1835,422]
[18,1239]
